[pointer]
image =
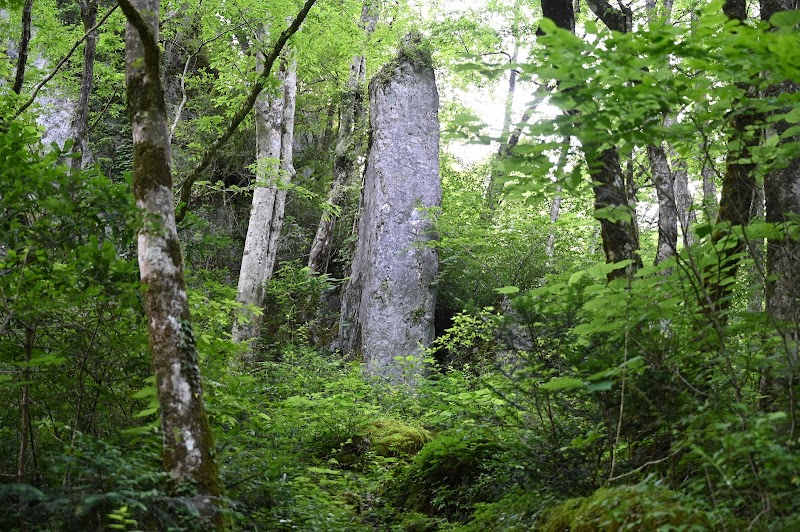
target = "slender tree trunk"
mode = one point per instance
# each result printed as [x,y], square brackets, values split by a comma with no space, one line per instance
[24,44]
[756,250]
[25,435]
[555,209]
[683,201]
[80,123]
[274,136]
[349,147]
[287,171]
[188,445]
[667,209]
[710,202]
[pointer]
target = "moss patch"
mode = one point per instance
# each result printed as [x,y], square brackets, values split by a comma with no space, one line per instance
[389,437]
[638,507]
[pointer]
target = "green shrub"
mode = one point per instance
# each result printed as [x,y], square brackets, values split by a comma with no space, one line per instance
[450,474]
[637,507]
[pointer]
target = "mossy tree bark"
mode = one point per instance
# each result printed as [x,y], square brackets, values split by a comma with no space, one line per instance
[188,444]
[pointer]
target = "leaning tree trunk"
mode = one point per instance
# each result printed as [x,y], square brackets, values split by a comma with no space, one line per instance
[349,147]
[269,196]
[389,302]
[188,445]
[24,45]
[80,122]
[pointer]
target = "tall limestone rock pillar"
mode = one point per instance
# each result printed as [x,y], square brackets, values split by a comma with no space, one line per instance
[388,304]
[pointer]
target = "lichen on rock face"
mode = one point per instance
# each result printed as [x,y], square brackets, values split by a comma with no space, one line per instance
[393,271]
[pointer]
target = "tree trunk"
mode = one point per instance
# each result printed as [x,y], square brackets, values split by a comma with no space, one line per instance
[287,171]
[80,123]
[613,203]
[782,196]
[349,148]
[188,444]
[683,201]
[667,209]
[24,44]
[710,202]
[389,302]
[738,187]
[614,210]
[274,136]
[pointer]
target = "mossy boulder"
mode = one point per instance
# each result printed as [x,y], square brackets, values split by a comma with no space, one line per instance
[390,437]
[449,475]
[636,507]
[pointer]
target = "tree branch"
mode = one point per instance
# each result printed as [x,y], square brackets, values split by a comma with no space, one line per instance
[142,27]
[186,187]
[60,64]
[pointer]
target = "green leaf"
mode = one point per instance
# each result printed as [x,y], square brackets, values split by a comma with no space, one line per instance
[602,386]
[563,383]
[604,268]
[507,290]
[785,18]
[145,393]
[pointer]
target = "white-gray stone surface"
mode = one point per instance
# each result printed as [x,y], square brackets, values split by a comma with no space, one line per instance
[388,305]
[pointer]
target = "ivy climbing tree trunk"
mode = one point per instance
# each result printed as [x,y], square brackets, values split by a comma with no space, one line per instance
[274,137]
[188,444]
[349,147]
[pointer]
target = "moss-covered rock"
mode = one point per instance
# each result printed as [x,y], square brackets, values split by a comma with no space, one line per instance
[637,507]
[390,437]
[449,475]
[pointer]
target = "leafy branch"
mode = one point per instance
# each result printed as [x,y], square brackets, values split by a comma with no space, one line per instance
[186,187]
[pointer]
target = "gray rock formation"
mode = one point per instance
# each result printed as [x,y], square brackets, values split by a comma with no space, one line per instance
[388,304]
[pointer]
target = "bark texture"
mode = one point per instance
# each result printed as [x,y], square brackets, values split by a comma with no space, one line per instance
[782,195]
[388,304]
[349,147]
[24,44]
[667,208]
[274,118]
[188,443]
[80,122]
